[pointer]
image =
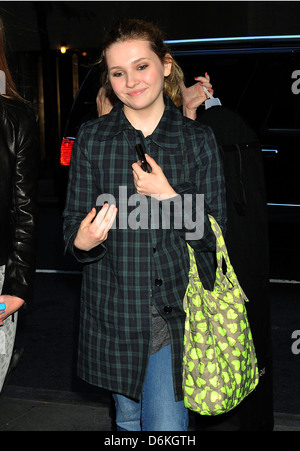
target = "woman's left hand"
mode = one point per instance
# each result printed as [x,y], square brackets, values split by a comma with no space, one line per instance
[154,184]
[13,303]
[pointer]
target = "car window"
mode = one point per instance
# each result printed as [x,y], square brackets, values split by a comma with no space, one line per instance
[84,107]
[257,85]
[284,93]
[230,74]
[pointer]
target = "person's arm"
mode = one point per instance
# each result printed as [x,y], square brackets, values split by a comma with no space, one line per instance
[94,229]
[209,181]
[205,194]
[21,261]
[84,232]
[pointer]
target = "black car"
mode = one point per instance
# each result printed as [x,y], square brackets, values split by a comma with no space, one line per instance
[259,78]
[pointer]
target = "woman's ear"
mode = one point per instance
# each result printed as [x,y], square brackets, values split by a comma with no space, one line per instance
[168,63]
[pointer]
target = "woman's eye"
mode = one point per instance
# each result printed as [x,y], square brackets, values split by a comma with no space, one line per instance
[117,74]
[143,67]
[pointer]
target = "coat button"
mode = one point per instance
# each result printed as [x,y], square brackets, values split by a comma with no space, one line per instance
[158,282]
[168,309]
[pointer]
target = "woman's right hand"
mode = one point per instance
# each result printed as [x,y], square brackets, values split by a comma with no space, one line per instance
[94,229]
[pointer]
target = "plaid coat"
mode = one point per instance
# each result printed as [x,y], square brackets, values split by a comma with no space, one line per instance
[137,266]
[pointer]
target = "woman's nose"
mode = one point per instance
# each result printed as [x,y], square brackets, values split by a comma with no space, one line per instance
[131,80]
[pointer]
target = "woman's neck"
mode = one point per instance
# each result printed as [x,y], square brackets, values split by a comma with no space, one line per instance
[145,120]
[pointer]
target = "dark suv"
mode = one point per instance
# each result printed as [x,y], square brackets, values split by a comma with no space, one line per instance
[258,77]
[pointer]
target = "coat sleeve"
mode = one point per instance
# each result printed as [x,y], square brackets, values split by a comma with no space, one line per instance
[204,195]
[21,260]
[210,182]
[81,198]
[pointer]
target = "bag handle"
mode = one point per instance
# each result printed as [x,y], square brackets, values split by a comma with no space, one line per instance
[221,249]
[221,252]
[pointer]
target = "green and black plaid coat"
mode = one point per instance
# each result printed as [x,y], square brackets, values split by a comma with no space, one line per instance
[136,267]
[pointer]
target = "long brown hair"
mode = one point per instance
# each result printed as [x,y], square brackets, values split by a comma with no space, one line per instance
[11,89]
[130,29]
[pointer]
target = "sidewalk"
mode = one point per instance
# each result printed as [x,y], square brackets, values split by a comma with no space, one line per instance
[26,409]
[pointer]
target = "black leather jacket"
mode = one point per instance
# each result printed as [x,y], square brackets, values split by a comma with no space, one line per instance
[18,207]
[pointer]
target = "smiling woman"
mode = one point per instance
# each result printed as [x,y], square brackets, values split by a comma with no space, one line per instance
[137,30]
[132,317]
[137,76]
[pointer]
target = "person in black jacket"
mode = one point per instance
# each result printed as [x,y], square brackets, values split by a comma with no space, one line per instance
[18,208]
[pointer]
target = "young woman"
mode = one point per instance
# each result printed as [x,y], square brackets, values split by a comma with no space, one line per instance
[136,272]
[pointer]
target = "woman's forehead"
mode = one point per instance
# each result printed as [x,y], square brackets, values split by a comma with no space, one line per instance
[128,52]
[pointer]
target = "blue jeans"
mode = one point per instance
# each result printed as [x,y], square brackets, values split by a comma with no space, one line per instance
[157,409]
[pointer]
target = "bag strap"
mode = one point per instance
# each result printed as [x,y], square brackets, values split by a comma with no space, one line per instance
[221,249]
[221,252]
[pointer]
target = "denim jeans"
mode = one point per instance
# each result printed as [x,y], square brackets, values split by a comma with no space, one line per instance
[157,409]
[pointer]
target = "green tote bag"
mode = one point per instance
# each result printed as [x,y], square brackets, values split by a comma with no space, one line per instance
[219,361]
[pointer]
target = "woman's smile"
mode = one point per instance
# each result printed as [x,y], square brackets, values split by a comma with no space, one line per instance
[136,92]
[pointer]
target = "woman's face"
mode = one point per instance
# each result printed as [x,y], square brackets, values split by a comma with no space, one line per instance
[136,73]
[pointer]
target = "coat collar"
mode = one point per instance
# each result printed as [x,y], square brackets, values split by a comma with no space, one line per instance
[113,123]
[171,124]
